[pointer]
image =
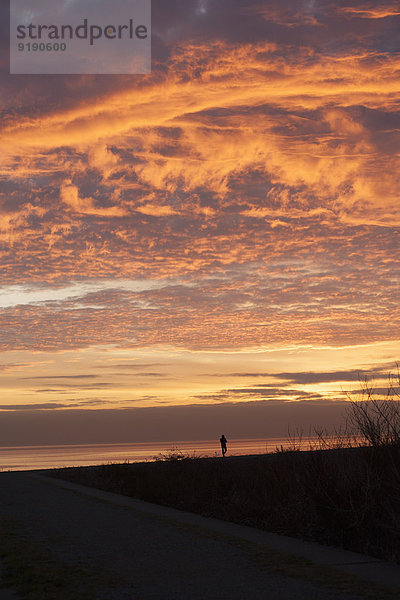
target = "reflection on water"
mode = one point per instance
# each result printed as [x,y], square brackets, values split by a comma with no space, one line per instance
[20,458]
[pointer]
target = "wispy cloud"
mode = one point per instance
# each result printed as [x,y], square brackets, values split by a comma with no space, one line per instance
[60,377]
[372,12]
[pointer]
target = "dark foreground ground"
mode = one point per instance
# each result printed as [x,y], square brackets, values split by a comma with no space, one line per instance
[348,497]
[75,543]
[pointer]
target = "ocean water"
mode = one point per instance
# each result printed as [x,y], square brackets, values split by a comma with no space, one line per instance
[22,458]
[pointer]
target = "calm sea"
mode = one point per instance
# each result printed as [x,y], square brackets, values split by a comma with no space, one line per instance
[21,458]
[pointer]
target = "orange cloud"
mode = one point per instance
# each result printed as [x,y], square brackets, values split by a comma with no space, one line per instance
[332,161]
[373,12]
[69,195]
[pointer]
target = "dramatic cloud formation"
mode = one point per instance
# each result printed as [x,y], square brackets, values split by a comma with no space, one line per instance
[243,197]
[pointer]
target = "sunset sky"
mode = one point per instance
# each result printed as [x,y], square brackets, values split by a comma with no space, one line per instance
[220,237]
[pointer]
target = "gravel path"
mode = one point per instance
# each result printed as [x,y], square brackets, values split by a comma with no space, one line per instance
[146,558]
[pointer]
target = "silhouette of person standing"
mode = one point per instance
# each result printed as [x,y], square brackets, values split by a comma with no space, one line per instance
[223,442]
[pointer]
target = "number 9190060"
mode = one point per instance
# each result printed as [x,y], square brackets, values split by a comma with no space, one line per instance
[42,47]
